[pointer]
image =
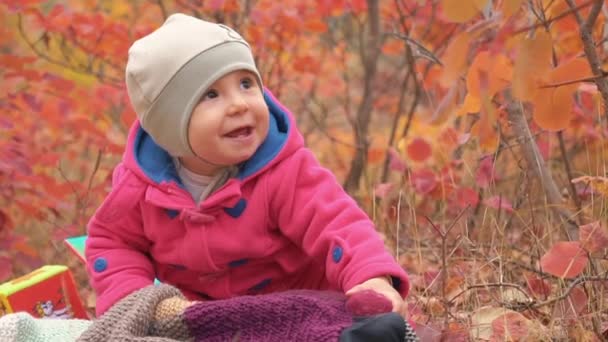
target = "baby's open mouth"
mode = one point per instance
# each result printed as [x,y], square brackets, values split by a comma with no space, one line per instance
[240,132]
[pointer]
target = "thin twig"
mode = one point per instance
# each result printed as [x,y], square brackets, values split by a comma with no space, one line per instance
[557,17]
[579,80]
[569,289]
[585,30]
[477,286]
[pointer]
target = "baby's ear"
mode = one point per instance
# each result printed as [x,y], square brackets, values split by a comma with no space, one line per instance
[368,303]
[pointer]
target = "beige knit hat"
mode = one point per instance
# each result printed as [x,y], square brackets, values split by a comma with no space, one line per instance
[169,69]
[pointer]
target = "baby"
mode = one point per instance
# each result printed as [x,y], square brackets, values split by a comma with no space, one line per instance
[216,193]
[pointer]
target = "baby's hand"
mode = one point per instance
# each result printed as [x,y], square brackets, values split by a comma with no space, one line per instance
[381,286]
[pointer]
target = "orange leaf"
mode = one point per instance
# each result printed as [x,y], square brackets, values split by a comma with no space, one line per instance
[316,25]
[460,11]
[472,104]
[572,70]
[553,108]
[375,155]
[509,7]
[490,73]
[393,48]
[532,63]
[24,248]
[419,150]
[484,129]
[455,59]
[566,259]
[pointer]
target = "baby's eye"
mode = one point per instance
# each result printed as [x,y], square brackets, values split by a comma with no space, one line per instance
[246,83]
[210,94]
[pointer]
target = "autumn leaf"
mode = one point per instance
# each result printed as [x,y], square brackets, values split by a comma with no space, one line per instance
[553,103]
[532,63]
[6,268]
[455,59]
[464,197]
[566,259]
[482,319]
[419,150]
[511,326]
[460,11]
[485,174]
[509,7]
[393,47]
[489,139]
[499,202]
[593,237]
[423,181]
[573,305]
[315,25]
[5,221]
[537,286]
[382,190]
[396,163]
[471,104]
[598,184]
[489,73]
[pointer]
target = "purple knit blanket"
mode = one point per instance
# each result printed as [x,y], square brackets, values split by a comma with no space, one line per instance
[289,316]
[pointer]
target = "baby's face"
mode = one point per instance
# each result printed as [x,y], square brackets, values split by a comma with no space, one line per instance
[229,123]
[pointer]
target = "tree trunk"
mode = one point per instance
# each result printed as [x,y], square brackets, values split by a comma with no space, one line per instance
[369,52]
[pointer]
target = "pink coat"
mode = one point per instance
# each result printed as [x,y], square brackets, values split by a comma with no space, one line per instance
[282,223]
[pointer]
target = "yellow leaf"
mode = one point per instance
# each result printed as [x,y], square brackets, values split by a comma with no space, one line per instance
[533,62]
[509,7]
[455,59]
[460,11]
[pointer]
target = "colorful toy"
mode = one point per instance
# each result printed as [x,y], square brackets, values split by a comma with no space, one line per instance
[76,244]
[48,292]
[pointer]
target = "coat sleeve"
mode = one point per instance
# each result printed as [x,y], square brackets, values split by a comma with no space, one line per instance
[308,205]
[116,247]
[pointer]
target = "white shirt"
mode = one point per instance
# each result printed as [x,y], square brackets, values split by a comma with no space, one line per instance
[195,184]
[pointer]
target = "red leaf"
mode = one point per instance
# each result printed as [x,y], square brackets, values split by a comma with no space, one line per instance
[5,221]
[566,259]
[424,181]
[18,5]
[396,163]
[537,286]
[6,268]
[485,174]
[427,333]
[419,150]
[464,197]
[511,326]
[593,237]
[383,189]
[574,305]
[499,202]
